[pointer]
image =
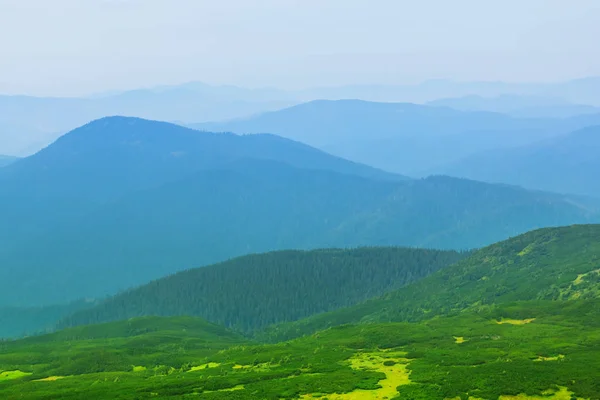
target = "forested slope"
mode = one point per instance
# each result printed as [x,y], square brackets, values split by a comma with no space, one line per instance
[254,291]
[554,264]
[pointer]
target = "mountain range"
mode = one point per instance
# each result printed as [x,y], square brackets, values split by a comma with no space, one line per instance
[405,138]
[121,201]
[5,160]
[518,106]
[564,164]
[30,123]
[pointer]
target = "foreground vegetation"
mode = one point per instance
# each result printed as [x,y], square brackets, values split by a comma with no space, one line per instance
[519,320]
[546,264]
[529,348]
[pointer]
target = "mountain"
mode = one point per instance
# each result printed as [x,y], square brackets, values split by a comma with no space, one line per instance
[252,207]
[551,264]
[111,157]
[122,201]
[255,206]
[518,319]
[5,160]
[518,106]
[255,291]
[565,164]
[406,138]
[30,123]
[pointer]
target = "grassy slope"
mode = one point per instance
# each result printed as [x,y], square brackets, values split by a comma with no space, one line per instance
[552,264]
[467,355]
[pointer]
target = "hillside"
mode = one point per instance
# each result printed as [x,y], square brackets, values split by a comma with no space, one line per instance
[502,354]
[565,164]
[407,138]
[516,320]
[546,264]
[251,292]
[254,207]
[112,157]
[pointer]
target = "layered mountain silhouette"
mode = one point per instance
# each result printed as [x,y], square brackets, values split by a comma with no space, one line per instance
[407,138]
[5,160]
[518,106]
[121,201]
[565,164]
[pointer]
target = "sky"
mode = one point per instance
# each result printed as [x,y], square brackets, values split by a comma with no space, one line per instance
[79,47]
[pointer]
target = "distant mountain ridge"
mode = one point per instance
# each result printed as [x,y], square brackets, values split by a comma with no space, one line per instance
[401,137]
[565,164]
[122,201]
[5,160]
[518,106]
[31,123]
[111,157]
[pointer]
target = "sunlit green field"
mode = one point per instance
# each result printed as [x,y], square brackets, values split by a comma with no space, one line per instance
[490,354]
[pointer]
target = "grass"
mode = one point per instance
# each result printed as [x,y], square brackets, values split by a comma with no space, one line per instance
[10,375]
[515,321]
[468,355]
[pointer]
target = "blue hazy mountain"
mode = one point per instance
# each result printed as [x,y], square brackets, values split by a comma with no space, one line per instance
[518,106]
[121,201]
[5,160]
[110,157]
[30,123]
[565,164]
[401,137]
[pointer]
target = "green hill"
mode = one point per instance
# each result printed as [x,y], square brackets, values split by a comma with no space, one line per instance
[517,320]
[252,292]
[555,356]
[546,264]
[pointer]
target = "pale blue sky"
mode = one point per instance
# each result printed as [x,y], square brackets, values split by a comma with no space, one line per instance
[71,47]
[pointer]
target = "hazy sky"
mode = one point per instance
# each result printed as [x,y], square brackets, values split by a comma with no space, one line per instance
[69,47]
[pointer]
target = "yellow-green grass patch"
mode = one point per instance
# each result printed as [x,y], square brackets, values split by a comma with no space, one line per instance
[10,375]
[396,374]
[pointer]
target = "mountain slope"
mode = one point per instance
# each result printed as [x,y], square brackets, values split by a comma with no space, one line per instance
[5,160]
[262,210]
[566,164]
[554,357]
[116,156]
[407,138]
[254,291]
[534,334]
[258,206]
[546,264]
